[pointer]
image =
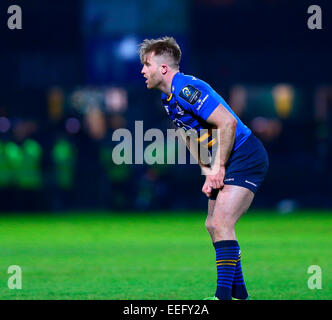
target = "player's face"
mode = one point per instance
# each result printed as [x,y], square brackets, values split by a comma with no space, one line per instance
[151,71]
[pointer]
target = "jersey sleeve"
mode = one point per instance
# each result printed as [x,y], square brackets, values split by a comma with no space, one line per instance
[198,97]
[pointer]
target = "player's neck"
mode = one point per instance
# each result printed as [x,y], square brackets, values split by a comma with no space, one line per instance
[166,86]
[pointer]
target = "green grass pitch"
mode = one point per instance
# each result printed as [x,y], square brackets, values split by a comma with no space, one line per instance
[160,255]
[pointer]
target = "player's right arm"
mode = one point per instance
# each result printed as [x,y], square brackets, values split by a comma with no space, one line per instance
[194,150]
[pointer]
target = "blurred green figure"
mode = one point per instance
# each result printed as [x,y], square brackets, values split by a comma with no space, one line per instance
[118,176]
[64,158]
[24,164]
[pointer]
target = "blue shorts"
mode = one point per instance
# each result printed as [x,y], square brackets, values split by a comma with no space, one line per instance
[247,166]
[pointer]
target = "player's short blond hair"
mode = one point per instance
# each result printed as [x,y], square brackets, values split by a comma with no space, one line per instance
[166,46]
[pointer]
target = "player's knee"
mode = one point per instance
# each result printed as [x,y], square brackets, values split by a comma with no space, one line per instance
[209,225]
[219,224]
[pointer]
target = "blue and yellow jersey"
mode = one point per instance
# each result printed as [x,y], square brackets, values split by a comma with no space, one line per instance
[190,104]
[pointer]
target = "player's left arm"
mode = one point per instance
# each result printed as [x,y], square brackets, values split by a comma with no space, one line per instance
[225,122]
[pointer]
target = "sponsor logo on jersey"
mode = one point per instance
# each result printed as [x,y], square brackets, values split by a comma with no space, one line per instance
[179,123]
[190,94]
[179,109]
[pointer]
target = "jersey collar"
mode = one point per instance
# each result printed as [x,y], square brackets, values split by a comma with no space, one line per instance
[173,85]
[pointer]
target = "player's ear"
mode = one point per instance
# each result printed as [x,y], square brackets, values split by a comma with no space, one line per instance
[164,68]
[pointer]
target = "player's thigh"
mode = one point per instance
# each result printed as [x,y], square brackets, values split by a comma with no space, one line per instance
[211,205]
[232,202]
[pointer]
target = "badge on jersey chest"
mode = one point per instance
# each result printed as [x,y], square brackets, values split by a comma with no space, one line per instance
[190,94]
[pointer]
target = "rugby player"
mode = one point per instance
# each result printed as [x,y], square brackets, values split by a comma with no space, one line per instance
[241,165]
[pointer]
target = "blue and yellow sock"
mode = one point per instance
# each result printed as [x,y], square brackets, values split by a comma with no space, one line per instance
[227,253]
[239,290]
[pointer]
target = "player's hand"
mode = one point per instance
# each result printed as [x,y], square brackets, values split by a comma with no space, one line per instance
[214,181]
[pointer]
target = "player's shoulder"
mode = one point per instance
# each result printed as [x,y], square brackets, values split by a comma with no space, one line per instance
[188,87]
[182,80]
